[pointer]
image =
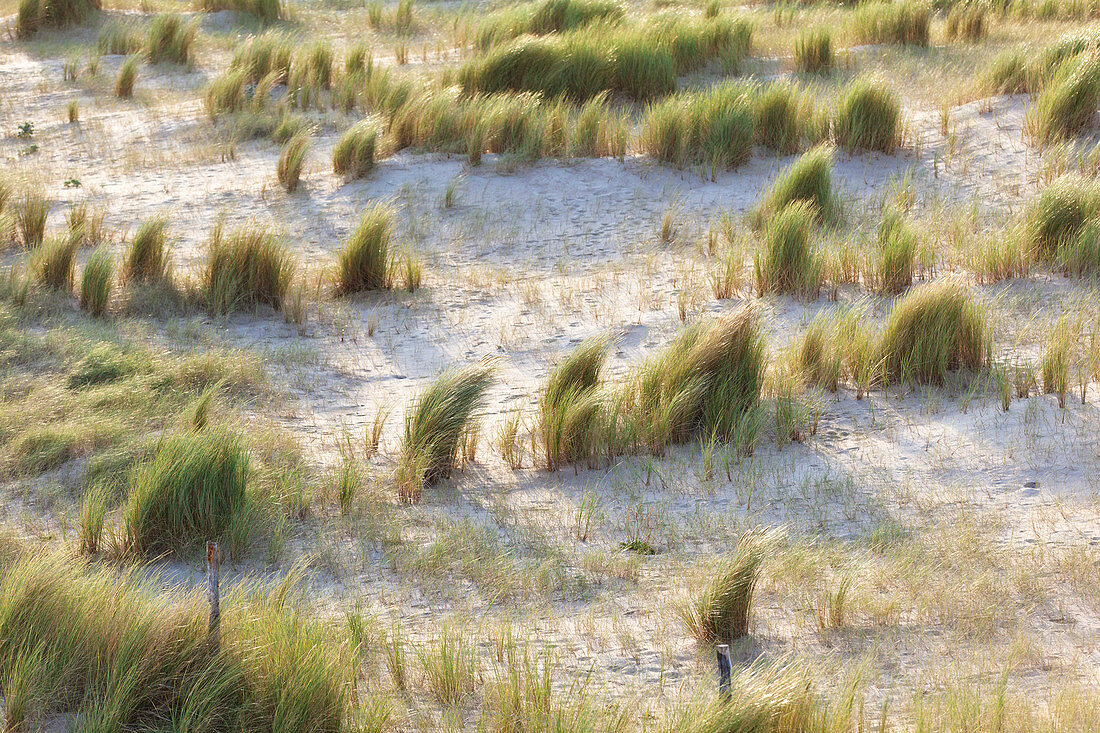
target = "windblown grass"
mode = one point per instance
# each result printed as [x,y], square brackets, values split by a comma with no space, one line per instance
[435,424]
[570,405]
[904,22]
[1066,106]
[966,22]
[31,212]
[868,118]
[170,39]
[706,383]
[894,261]
[787,262]
[96,282]
[108,651]
[549,16]
[936,329]
[354,153]
[190,491]
[365,261]
[713,128]
[246,267]
[1058,214]
[291,159]
[149,259]
[127,75]
[809,180]
[722,612]
[813,52]
[265,10]
[34,15]
[54,263]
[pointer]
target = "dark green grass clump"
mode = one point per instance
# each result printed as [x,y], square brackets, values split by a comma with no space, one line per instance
[109,651]
[788,263]
[34,15]
[365,262]
[868,118]
[435,425]
[704,384]
[713,128]
[570,405]
[54,263]
[784,119]
[190,491]
[246,267]
[550,16]
[935,329]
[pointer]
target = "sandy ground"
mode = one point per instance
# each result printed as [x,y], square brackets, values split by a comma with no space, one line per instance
[532,259]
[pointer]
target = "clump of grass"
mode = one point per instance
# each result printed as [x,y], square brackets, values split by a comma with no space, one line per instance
[783,118]
[817,357]
[905,22]
[868,118]
[354,153]
[226,93]
[712,128]
[127,74]
[894,260]
[266,10]
[722,612]
[246,267]
[787,262]
[1058,357]
[1080,255]
[705,383]
[1067,103]
[266,55]
[93,511]
[965,22]
[435,424]
[96,282]
[551,16]
[935,329]
[54,263]
[148,260]
[1007,73]
[809,180]
[116,38]
[110,648]
[813,52]
[291,159]
[1058,215]
[189,491]
[170,39]
[365,261]
[31,212]
[570,405]
[33,15]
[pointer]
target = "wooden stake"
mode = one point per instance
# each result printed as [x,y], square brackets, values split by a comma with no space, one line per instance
[213,570]
[724,668]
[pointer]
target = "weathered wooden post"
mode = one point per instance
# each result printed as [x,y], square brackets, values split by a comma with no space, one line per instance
[724,668]
[213,569]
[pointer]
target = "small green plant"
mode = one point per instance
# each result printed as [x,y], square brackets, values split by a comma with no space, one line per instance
[25,130]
